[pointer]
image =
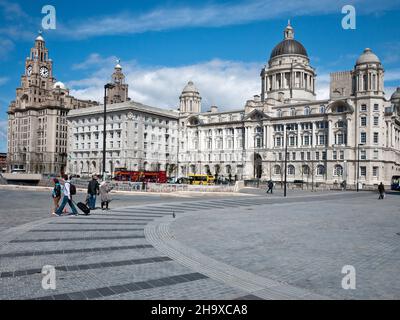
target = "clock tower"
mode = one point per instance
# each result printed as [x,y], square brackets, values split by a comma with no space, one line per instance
[37,131]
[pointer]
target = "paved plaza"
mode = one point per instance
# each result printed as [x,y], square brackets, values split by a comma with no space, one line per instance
[246,246]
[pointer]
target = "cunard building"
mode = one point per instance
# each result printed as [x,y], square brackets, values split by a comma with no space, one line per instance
[37,125]
[354,135]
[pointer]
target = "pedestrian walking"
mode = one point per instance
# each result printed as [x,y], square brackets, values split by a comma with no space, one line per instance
[270,186]
[56,195]
[93,191]
[69,190]
[104,195]
[381,190]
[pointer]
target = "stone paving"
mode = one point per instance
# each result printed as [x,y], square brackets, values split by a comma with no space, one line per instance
[251,247]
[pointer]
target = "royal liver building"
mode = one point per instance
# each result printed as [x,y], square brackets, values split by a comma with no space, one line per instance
[352,136]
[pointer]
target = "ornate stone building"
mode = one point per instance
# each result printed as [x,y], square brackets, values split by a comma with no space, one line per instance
[354,135]
[325,138]
[139,137]
[37,125]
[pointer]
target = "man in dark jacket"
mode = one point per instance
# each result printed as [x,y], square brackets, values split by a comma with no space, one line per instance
[93,190]
[381,190]
[270,186]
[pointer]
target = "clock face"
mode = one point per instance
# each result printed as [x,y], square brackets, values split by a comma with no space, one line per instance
[29,70]
[44,72]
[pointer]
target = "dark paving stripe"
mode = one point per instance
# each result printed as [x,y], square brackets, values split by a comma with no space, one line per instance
[129,215]
[249,297]
[99,265]
[76,239]
[84,230]
[101,223]
[150,215]
[110,219]
[147,210]
[127,287]
[68,251]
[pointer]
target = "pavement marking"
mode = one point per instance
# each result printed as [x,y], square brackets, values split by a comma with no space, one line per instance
[125,288]
[98,265]
[68,251]
[110,219]
[101,223]
[76,239]
[84,230]
[157,233]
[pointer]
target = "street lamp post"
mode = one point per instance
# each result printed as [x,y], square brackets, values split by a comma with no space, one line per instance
[107,86]
[358,164]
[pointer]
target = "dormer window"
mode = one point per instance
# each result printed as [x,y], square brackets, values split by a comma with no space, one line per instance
[307,111]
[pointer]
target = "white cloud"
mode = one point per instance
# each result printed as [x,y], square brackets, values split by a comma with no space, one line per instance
[3,130]
[227,84]
[211,15]
[3,80]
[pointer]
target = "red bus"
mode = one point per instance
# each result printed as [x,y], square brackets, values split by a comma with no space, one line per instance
[140,176]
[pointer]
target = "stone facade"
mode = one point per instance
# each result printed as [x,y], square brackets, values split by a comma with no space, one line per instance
[37,124]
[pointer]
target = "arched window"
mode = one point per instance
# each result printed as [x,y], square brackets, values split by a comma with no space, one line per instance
[320,170]
[279,113]
[322,109]
[291,170]
[277,169]
[338,170]
[307,111]
[292,112]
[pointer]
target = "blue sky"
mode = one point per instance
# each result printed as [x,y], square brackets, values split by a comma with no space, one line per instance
[220,45]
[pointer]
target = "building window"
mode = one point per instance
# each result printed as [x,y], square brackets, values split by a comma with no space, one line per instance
[376,137]
[277,169]
[375,172]
[308,155]
[338,171]
[278,141]
[376,107]
[292,140]
[322,109]
[341,155]
[293,155]
[307,111]
[363,171]
[302,156]
[363,155]
[306,140]
[376,121]
[376,154]
[320,170]
[322,139]
[363,121]
[334,155]
[364,107]
[279,113]
[293,112]
[280,156]
[291,170]
[306,170]
[317,155]
[363,137]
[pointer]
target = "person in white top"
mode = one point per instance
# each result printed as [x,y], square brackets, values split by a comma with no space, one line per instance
[67,198]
